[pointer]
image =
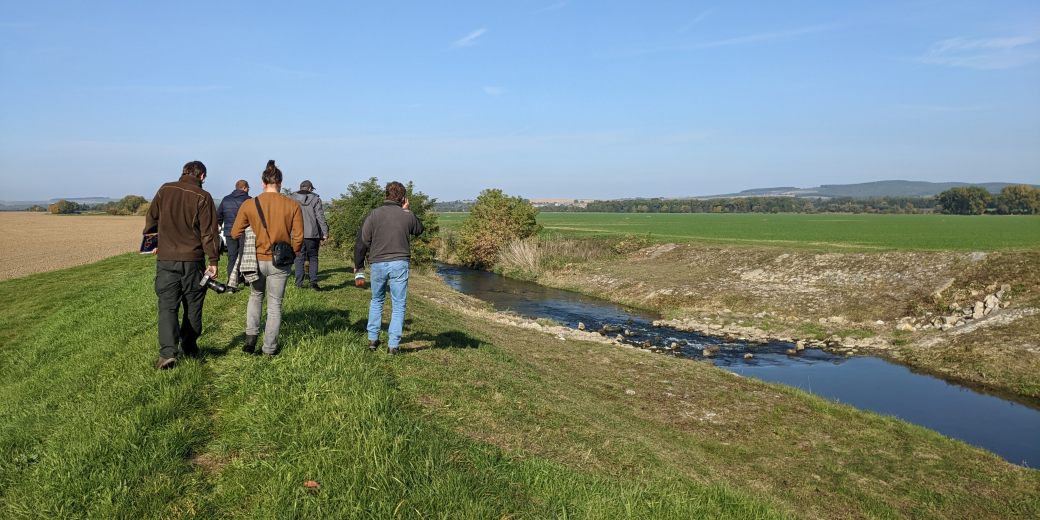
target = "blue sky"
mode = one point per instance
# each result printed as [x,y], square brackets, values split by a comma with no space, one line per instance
[541,98]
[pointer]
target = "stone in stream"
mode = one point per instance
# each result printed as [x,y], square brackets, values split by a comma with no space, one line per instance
[978,310]
[581,325]
[992,304]
[707,353]
[791,352]
[748,355]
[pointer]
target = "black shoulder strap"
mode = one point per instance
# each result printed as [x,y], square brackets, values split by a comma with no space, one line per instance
[263,221]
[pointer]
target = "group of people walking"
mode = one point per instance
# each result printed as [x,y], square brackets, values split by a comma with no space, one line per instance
[266,237]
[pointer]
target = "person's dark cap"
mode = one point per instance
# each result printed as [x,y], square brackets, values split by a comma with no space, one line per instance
[306,185]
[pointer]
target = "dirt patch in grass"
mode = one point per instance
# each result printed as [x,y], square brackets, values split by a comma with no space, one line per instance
[41,242]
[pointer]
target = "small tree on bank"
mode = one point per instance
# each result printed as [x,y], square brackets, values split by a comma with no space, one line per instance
[494,220]
[347,213]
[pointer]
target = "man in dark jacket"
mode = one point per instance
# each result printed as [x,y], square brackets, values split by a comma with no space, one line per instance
[315,230]
[185,217]
[386,234]
[226,214]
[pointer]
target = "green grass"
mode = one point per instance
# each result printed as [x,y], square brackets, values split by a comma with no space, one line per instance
[475,420]
[822,231]
[89,429]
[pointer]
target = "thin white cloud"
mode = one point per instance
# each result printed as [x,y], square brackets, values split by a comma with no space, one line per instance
[494,91]
[985,53]
[468,39]
[553,7]
[696,20]
[747,39]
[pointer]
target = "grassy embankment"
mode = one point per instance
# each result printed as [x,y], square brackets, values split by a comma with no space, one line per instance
[475,420]
[815,276]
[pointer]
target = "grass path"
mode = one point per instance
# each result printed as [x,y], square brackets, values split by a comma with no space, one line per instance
[476,420]
[90,429]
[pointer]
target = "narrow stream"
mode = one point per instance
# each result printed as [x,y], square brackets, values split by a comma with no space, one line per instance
[1007,428]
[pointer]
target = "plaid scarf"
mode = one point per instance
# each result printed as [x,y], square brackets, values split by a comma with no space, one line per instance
[246,265]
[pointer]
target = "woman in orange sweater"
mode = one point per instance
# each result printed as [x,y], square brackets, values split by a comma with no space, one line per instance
[274,218]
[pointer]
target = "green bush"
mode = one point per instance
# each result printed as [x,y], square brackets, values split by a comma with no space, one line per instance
[347,213]
[494,220]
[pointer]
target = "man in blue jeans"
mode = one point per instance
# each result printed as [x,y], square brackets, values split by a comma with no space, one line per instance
[385,234]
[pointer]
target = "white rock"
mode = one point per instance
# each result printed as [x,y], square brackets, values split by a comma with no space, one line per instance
[905,326]
[629,391]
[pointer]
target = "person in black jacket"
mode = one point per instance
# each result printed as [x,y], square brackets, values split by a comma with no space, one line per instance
[226,215]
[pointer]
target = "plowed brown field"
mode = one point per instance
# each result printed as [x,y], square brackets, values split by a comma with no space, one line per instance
[38,242]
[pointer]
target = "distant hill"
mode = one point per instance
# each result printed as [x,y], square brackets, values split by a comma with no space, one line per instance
[864,190]
[22,205]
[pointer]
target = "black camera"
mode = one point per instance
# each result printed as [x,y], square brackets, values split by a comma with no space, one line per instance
[212,284]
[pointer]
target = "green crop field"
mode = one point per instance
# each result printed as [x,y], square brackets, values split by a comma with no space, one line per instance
[826,231]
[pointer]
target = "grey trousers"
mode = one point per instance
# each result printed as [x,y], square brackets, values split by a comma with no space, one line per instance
[272,283]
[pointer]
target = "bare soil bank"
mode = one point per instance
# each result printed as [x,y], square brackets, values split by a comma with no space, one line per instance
[848,302]
[40,242]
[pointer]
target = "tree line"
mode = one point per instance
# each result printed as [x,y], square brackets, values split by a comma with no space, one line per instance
[972,200]
[128,205]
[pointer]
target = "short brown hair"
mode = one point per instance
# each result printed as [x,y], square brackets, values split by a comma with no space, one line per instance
[242,185]
[395,191]
[195,169]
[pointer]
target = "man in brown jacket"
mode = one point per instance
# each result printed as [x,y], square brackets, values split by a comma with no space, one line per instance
[186,219]
[281,222]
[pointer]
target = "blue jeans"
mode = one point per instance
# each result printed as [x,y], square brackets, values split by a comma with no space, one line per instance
[391,275]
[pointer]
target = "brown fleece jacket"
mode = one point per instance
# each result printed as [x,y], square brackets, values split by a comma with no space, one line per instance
[284,223]
[185,217]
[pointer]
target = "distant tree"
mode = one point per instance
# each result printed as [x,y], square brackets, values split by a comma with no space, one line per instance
[1018,199]
[37,208]
[347,213]
[494,220]
[127,205]
[63,207]
[968,200]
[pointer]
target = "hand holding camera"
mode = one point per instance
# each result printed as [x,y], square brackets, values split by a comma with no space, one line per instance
[209,281]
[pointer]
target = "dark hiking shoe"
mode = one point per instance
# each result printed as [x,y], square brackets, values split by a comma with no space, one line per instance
[393,351]
[250,345]
[373,344]
[190,351]
[165,363]
[315,286]
[299,285]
